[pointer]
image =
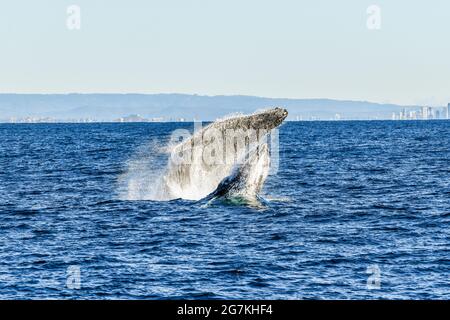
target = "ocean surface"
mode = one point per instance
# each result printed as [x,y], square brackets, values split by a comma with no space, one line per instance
[357,210]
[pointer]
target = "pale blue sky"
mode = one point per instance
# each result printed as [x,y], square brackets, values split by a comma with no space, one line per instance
[282,48]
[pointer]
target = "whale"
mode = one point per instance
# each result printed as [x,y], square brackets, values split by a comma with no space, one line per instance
[227,157]
[246,179]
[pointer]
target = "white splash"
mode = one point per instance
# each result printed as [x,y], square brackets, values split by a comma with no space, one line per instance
[142,170]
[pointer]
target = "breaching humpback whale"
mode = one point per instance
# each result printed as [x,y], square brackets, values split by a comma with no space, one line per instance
[228,157]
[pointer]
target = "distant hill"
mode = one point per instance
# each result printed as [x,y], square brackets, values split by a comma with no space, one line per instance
[107,107]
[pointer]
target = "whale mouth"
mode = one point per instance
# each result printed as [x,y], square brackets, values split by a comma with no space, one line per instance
[279,114]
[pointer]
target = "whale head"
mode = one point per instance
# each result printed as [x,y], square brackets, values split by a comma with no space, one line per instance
[263,120]
[275,117]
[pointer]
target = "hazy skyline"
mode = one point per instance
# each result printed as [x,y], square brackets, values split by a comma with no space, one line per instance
[287,48]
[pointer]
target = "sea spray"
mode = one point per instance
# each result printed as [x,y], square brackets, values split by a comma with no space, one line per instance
[142,170]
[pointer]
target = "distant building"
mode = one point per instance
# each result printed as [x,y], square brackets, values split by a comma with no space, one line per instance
[448,111]
[424,113]
[437,114]
[404,114]
[132,118]
[413,115]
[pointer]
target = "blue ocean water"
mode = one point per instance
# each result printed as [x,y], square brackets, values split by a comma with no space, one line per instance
[349,198]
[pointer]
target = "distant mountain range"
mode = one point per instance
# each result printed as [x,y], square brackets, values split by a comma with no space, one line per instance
[108,107]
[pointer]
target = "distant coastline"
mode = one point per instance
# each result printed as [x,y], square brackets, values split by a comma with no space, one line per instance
[87,108]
